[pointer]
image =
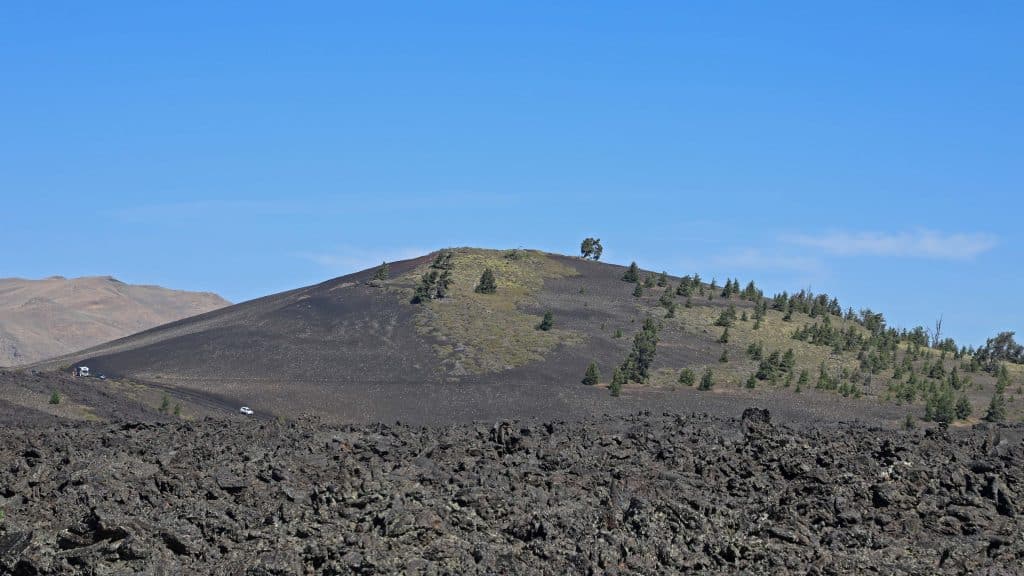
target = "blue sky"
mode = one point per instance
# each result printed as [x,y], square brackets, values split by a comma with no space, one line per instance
[872,150]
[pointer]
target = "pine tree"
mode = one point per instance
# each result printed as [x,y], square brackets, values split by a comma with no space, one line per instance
[593,375]
[996,407]
[638,290]
[427,287]
[724,338]
[707,381]
[665,299]
[751,381]
[487,285]
[444,281]
[1003,379]
[663,279]
[725,356]
[632,274]
[165,404]
[547,322]
[443,261]
[687,377]
[940,406]
[649,281]
[177,409]
[55,398]
[645,344]
[963,407]
[671,310]
[727,317]
[688,303]
[618,381]
[382,272]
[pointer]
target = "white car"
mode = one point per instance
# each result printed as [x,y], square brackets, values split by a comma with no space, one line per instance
[246,410]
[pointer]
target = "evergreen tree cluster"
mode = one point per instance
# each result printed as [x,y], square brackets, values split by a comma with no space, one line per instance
[688,285]
[823,333]
[808,303]
[776,365]
[942,405]
[731,288]
[636,367]
[383,272]
[727,317]
[1001,348]
[632,274]
[436,282]
[751,293]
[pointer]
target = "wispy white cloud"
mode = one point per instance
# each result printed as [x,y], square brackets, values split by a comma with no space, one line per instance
[920,243]
[346,259]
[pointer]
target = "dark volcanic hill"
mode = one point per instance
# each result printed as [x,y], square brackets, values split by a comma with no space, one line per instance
[357,349]
[40,319]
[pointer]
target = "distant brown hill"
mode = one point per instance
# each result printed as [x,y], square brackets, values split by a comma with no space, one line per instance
[41,319]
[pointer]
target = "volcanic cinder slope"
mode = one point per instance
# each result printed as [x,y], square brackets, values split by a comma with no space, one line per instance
[40,319]
[356,349]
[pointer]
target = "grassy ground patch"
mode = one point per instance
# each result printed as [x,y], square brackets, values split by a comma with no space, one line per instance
[491,332]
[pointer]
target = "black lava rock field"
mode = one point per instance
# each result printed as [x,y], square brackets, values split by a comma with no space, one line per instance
[644,494]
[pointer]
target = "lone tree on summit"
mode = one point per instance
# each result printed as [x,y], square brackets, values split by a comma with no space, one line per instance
[487,285]
[591,248]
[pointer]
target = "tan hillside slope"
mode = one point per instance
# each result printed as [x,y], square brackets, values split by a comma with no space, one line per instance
[40,319]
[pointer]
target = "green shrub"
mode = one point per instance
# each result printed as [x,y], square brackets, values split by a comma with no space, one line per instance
[618,381]
[707,381]
[55,398]
[632,274]
[687,377]
[547,322]
[487,285]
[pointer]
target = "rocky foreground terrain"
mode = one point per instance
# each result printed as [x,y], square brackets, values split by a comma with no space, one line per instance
[644,494]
